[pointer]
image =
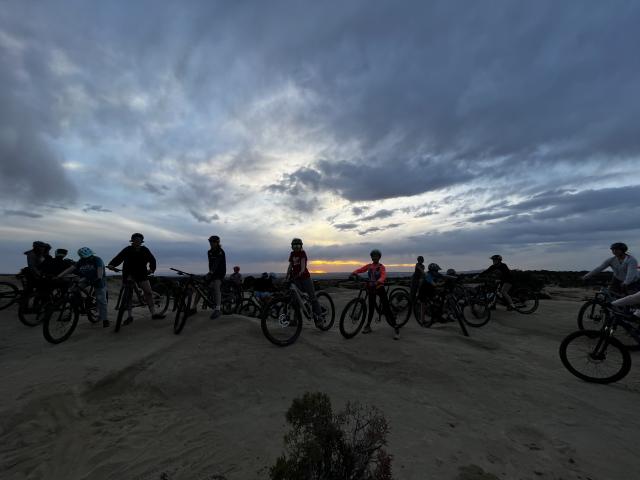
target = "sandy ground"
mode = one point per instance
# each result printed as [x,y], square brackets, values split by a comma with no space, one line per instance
[212,400]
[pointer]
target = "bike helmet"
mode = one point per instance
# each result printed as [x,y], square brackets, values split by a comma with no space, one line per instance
[214,238]
[496,257]
[236,269]
[296,241]
[265,275]
[137,235]
[420,259]
[61,252]
[38,244]
[85,252]
[619,246]
[433,267]
[451,271]
[375,253]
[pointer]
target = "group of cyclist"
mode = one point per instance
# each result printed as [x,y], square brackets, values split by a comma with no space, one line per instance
[138,262]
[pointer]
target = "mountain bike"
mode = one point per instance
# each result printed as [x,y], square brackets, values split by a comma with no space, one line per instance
[131,296]
[473,304]
[231,299]
[354,314]
[61,315]
[525,301]
[188,290]
[446,305]
[281,318]
[597,355]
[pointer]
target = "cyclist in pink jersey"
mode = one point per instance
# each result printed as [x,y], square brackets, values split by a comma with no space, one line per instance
[376,276]
[299,274]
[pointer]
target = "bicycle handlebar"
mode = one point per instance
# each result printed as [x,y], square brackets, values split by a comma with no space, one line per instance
[180,272]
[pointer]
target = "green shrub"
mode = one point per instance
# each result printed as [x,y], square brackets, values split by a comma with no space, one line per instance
[324,446]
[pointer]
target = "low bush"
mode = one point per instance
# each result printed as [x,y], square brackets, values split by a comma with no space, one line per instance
[324,446]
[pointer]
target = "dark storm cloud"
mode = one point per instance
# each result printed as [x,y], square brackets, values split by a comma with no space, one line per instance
[345,226]
[560,204]
[157,190]
[95,208]
[22,213]
[204,218]
[383,213]
[388,226]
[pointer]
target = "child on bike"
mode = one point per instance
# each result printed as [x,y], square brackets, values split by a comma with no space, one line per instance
[91,269]
[138,262]
[299,274]
[376,276]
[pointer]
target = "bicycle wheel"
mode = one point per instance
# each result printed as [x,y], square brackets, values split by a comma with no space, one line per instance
[123,308]
[8,294]
[284,328]
[594,356]
[423,313]
[327,312]
[400,304]
[353,317]
[524,301]
[160,300]
[249,309]
[592,315]
[182,312]
[454,309]
[60,321]
[477,312]
[31,308]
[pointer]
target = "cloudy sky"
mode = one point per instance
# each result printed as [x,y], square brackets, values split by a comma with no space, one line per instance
[451,129]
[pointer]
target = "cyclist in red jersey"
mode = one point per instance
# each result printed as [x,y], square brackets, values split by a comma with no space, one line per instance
[299,274]
[376,276]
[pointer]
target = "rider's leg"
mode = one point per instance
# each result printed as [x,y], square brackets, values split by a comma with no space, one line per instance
[148,295]
[372,309]
[306,285]
[217,297]
[101,301]
[505,294]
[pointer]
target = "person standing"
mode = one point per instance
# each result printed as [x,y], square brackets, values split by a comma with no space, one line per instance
[138,262]
[376,276]
[416,279]
[217,271]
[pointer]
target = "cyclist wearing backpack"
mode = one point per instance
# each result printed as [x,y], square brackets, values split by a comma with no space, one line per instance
[137,262]
[91,269]
[626,278]
[376,276]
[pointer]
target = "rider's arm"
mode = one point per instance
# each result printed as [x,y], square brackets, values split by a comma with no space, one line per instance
[632,271]
[66,272]
[360,270]
[118,259]
[598,269]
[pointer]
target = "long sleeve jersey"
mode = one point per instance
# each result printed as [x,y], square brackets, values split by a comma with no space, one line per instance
[626,270]
[376,273]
